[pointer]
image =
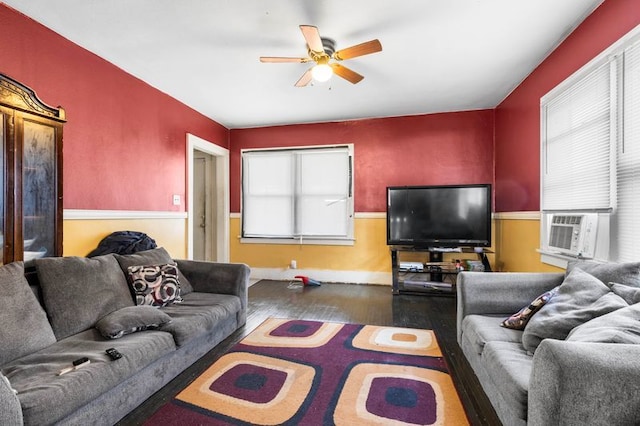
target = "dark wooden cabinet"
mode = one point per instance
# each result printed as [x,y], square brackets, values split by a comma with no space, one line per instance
[31,176]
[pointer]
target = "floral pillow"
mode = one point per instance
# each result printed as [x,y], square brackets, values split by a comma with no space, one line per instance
[155,285]
[520,319]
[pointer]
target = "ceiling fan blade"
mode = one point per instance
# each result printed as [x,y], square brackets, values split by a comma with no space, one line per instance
[361,49]
[312,37]
[346,73]
[305,79]
[281,59]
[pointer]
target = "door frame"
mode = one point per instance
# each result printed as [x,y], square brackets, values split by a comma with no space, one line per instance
[221,217]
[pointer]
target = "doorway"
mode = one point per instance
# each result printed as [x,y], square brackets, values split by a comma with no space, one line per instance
[203,206]
[208,200]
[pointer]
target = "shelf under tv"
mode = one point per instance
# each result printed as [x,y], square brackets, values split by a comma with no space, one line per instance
[436,277]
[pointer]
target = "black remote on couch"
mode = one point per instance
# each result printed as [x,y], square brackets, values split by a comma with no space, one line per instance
[113,354]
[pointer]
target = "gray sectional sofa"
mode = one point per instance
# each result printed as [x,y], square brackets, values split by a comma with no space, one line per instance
[73,307]
[577,359]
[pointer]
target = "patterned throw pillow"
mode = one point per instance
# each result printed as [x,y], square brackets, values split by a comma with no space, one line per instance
[520,319]
[155,285]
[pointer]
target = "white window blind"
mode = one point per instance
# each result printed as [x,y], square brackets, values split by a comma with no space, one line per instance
[626,216]
[268,194]
[590,146]
[576,144]
[298,193]
[323,201]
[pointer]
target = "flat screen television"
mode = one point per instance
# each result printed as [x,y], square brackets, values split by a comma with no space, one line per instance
[439,216]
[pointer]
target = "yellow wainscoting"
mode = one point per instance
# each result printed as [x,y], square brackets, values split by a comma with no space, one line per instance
[368,253]
[517,239]
[83,235]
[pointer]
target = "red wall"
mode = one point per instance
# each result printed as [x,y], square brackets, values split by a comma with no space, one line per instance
[124,141]
[448,148]
[517,147]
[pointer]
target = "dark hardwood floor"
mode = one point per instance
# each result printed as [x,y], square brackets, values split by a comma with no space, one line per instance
[348,303]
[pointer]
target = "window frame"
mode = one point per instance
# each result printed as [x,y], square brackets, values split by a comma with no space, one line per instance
[348,240]
[614,57]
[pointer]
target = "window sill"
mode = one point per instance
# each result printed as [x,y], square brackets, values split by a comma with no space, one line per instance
[560,260]
[297,241]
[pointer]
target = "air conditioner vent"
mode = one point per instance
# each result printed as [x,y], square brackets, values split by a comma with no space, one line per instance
[567,219]
[573,234]
[561,237]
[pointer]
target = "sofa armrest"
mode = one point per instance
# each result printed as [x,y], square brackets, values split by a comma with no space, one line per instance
[221,278]
[500,292]
[10,409]
[578,382]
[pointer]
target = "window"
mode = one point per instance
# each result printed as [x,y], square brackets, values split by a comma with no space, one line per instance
[576,144]
[625,246]
[303,194]
[590,145]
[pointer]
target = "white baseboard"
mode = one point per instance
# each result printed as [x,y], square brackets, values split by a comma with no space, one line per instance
[322,275]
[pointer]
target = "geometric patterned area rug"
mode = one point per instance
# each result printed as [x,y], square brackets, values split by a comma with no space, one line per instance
[297,372]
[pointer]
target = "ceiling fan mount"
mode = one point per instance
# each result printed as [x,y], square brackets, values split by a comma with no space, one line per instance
[322,51]
[329,45]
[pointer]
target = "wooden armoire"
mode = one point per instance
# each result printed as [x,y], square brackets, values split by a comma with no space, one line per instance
[31,178]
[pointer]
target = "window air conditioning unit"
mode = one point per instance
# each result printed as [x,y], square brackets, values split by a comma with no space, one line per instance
[573,234]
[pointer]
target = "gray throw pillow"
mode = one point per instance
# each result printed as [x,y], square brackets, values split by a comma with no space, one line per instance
[130,320]
[24,327]
[78,291]
[158,256]
[623,273]
[580,298]
[630,294]
[621,326]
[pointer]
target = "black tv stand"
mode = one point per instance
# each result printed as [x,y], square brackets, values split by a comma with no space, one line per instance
[428,273]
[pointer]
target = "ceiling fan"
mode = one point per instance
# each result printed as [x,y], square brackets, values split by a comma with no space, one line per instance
[322,51]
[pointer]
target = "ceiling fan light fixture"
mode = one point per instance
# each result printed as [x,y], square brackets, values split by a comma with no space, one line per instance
[321,72]
[322,51]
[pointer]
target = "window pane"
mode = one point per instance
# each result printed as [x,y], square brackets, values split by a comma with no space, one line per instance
[38,190]
[577,145]
[2,184]
[626,224]
[297,193]
[323,194]
[267,194]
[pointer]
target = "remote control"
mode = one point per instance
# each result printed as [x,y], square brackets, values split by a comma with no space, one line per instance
[79,361]
[113,354]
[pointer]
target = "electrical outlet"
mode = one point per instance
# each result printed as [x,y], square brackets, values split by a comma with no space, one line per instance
[176,199]
[293,264]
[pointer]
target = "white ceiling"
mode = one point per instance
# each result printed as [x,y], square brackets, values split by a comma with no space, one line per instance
[438,55]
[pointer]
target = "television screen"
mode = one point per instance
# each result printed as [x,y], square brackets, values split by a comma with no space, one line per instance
[439,216]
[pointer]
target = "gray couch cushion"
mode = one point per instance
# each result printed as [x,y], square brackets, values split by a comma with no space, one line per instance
[198,314]
[480,329]
[77,291]
[509,367]
[580,298]
[130,320]
[158,256]
[621,326]
[46,397]
[630,294]
[623,273]
[20,312]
